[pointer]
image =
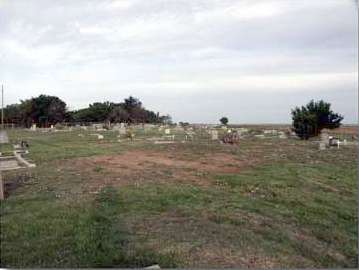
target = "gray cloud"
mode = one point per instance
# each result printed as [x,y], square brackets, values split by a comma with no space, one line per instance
[222,56]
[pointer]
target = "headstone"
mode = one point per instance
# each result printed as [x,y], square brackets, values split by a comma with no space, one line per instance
[100,137]
[33,127]
[214,135]
[149,126]
[155,266]
[270,131]
[167,131]
[321,146]
[97,126]
[116,127]
[122,131]
[243,130]
[282,135]
[334,141]
[324,137]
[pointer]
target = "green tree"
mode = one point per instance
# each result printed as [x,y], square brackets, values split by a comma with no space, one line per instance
[43,110]
[224,120]
[309,120]
[118,115]
[12,114]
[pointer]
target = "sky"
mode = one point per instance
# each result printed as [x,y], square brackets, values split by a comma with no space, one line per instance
[197,60]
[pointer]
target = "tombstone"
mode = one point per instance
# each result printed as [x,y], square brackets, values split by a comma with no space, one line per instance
[322,146]
[97,126]
[324,137]
[270,132]
[214,135]
[122,131]
[334,141]
[116,126]
[282,135]
[189,135]
[100,137]
[149,126]
[33,127]
[52,126]
[167,131]
[243,130]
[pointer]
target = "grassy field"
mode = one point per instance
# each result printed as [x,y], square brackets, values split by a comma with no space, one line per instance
[265,203]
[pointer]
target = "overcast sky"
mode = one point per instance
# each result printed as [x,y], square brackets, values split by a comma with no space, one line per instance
[197,60]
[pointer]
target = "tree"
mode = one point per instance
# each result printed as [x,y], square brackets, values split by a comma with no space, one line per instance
[224,120]
[118,115]
[309,120]
[12,114]
[43,110]
[49,110]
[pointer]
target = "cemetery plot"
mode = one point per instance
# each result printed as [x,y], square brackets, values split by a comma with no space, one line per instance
[262,202]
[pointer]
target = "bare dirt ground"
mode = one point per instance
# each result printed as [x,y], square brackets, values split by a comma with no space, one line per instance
[136,167]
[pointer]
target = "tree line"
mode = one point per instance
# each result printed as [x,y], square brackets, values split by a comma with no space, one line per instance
[46,110]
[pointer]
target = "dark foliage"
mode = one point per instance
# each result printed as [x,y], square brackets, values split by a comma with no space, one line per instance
[309,120]
[49,110]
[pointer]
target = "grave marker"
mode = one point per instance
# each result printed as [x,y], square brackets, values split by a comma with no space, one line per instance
[214,135]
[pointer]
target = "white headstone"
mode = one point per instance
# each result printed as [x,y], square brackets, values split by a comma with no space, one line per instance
[321,146]
[214,135]
[122,131]
[167,131]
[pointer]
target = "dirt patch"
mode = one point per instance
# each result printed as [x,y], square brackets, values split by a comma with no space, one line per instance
[139,166]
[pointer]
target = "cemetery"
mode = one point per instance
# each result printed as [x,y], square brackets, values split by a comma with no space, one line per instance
[197,134]
[150,187]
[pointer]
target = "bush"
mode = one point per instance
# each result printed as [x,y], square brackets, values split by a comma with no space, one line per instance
[309,120]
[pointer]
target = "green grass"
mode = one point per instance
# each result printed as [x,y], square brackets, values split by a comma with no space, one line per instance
[295,207]
[6,149]
[310,199]
[49,233]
